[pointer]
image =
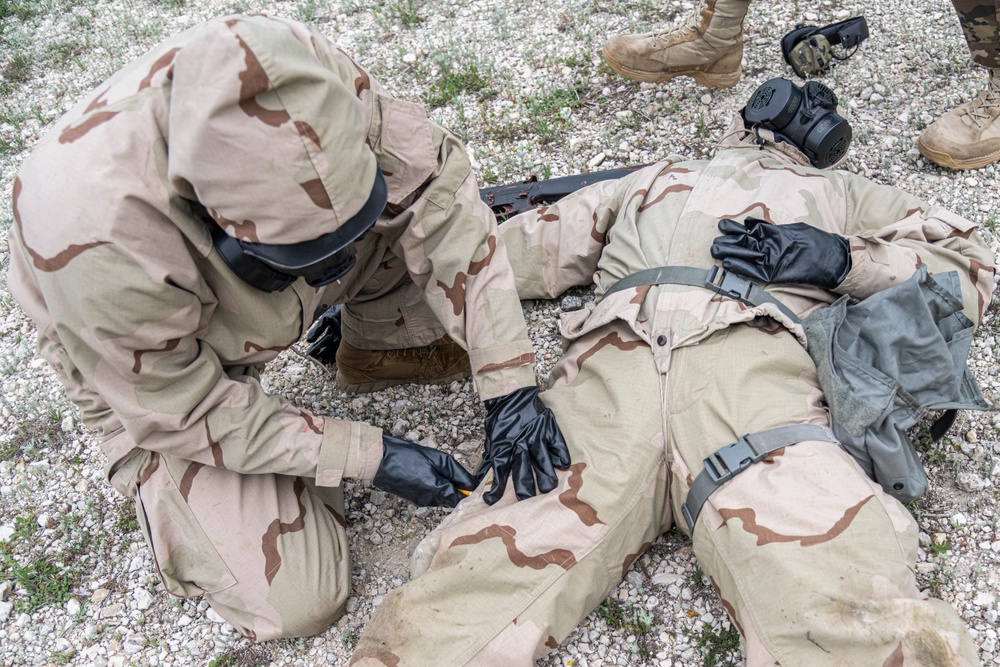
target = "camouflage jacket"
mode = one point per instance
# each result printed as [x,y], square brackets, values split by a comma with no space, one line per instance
[667,215]
[155,338]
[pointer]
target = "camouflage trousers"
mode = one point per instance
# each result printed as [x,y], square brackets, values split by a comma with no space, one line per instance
[981,26]
[813,563]
[268,552]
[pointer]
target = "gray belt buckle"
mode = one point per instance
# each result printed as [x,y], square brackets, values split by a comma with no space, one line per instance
[728,283]
[732,460]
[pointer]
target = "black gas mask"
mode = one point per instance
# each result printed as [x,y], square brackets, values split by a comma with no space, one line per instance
[805,117]
[272,267]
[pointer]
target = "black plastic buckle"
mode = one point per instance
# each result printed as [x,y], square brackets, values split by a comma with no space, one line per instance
[732,460]
[728,284]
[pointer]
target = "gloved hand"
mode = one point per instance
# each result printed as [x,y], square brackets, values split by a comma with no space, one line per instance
[523,441]
[794,253]
[325,337]
[424,476]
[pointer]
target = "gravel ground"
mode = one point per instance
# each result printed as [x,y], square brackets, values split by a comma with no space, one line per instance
[524,84]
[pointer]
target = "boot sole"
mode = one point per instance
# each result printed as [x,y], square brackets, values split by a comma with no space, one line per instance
[378,385]
[709,79]
[958,164]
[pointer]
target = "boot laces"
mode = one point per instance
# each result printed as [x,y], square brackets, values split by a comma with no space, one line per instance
[982,110]
[689,27]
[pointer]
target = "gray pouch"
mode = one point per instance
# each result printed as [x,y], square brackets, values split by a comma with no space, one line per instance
[885,362]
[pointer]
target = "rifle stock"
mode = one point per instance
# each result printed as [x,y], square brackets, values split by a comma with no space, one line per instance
[509,200]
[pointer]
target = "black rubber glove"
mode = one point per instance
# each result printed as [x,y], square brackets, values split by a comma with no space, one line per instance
[325,337]
[794,253]
[424,476]
[523,441]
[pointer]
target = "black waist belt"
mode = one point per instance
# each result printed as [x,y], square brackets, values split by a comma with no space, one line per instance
[715,279]
[733,459]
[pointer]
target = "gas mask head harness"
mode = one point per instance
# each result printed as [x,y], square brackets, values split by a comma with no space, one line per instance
[809,50]
[805,117]
[272,267]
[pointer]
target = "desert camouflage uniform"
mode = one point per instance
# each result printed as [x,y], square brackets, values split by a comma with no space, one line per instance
[813,562]
[981,25]
[160,343]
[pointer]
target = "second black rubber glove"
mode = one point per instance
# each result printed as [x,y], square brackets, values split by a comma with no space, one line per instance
[424,476]
[325,337]
[523,442]
[793,253]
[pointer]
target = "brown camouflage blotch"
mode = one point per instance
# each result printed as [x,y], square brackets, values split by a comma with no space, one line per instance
[42,263]
[269,542]
[627,563]
[215,448]
[251,346]
[958,233]
[587,514]
[522,360]
[244,231]
[137,354]
[600,237]
[975,269]
[382,655]
[163,61]
[551,642]
[895,659]
[401,321]
[913,211]
[679,187]
[188,478]
[97,103]
[306,131]
[310,421]
[337,516]
[455,294]
[727,606]
[147,472]
[613,339]
[766,215]
[561,557]
[253,82]
[638,194]
[791,172]
[640,294]
[767,536]
[769,459]
[317,193]
[476,267]
[546,217]
[74,132]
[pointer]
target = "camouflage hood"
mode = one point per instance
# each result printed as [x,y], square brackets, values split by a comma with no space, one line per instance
[270,90]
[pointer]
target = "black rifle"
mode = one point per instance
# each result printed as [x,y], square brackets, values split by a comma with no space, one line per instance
[509,200]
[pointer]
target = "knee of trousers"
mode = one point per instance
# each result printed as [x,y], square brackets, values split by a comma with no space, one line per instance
[303,607]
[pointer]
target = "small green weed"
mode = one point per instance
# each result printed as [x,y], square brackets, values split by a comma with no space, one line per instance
[40,583]
[639,622]
[717,649]
[24,527]
[457,75]
[940,549]
[243,656]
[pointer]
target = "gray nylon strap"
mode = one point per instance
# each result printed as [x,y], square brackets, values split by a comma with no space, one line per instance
[733,459]
[716,279]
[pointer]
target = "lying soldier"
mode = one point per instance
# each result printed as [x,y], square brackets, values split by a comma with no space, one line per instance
[812,557]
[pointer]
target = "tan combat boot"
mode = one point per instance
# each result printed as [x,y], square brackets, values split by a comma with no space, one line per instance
[968,136]
[362,371]
[708,47]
